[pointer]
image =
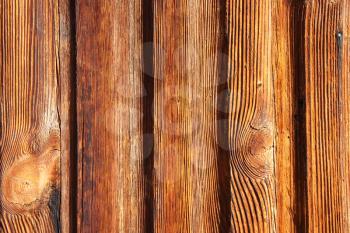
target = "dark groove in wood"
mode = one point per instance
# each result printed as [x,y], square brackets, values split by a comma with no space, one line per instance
[148,107]
[223,158]
[300,162]
[68,116]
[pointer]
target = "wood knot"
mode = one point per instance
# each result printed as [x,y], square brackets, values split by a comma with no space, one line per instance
[28,183]
[255,160]
[260,141]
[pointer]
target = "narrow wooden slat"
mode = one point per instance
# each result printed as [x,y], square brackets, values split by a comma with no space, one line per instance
[67,109]
[186,41]
[29,123]
[323,43]
[201,61]
[284,85]
[109,82]
[344,64]
[251,124]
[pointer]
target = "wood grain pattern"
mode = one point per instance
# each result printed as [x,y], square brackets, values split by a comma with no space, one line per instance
[30,131]
[344,63]
[186,35]
[284,86]
[175,116]
[251,123]
[109,82]
[67,111]
[323,43]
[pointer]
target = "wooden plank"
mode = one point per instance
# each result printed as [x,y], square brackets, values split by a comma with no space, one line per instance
[201,62]
[251,123]
[344,64]
[323,43]
[186,41]
[284,71]
[110,150]
[29,123]
[67,78]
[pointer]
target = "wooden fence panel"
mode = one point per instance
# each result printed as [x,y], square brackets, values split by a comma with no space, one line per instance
[175,116]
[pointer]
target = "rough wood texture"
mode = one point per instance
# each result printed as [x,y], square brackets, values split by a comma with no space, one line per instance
[345,114]
[175,116]
[251,123]
[186,75]
[324,84]
[29,123]
[67,110]
[283,72]
[109,82]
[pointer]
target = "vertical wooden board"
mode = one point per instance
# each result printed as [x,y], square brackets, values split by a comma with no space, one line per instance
[67,111]
[344,64]
[251,124]
[202,59]
[29,123]
[185,154]
[283,73]
[172,180]
[110,180]
[324,109]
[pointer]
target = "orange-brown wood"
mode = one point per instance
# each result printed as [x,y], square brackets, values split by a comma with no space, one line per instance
[323,50]
[251,116]
[175,116]
[344,66]
[29,123]
[186,42]
[67,110]
[284,86]
[110,137]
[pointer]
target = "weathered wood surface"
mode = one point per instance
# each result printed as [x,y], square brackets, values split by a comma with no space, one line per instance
[67,111]
[326,130]
[312,106]
[345,113]
[251,123]
[285,86]
[110,138]
[29,123]
[175,116]
[186,187]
